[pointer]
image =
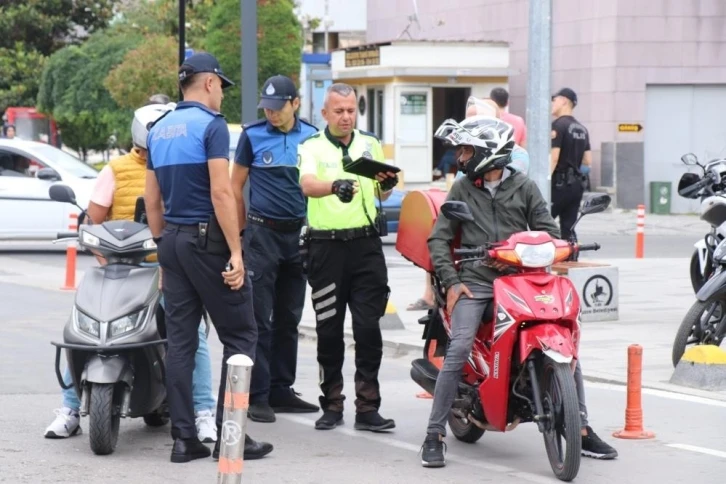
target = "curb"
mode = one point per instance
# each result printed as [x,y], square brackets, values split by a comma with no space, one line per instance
[398,350]
[702,367]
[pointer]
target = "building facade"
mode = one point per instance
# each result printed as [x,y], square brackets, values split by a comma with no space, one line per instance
[659,64]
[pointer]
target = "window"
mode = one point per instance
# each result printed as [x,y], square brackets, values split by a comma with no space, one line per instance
[64,161]
[374,100]
[12,164]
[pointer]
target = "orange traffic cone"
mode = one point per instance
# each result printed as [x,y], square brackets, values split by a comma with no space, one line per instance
[438,361]
[634,410]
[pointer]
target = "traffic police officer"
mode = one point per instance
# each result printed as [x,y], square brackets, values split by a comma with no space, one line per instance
[346,265]
[267,154]
[199,246]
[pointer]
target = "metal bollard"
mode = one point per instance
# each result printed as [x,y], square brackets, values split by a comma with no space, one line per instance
[234,425]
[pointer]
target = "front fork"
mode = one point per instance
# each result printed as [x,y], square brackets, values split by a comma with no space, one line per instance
[540,418]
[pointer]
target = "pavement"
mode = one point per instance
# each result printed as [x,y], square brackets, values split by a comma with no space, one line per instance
[654,294]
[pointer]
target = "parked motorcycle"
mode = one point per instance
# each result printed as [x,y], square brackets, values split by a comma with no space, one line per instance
[710,189]
[114,349]
[524,354]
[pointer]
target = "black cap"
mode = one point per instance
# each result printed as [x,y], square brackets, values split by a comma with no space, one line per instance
[203,62]
[276,92]
[568,93]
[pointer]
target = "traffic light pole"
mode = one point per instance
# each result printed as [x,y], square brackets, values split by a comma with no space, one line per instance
[539,94]
[248,24]
[182,36]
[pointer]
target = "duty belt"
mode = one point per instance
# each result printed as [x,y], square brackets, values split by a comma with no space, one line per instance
[342,234]
[274,224]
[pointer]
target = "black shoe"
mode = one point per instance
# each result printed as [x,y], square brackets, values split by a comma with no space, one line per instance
[186,450]
[432,451]
[373,421]
[261,412]
[593,446]
[329,420]
[253,449]
[290,402]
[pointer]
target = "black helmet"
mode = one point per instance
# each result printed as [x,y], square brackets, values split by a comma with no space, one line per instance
[491,138]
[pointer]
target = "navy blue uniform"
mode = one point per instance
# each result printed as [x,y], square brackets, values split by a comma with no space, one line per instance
[180,145]
[276,213]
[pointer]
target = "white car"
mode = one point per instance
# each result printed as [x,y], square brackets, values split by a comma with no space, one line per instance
[27,170]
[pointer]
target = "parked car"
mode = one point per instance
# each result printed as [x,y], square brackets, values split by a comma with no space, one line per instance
[392,206]
[27,170]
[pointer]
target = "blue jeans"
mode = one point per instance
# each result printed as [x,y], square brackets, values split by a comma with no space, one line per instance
[201,379]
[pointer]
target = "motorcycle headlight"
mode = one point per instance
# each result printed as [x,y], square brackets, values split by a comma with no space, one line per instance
[89,239]
[540,255]
[86,324]
[125,324]
[719,254]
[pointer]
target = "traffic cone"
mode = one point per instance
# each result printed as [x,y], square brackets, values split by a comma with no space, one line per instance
[391,319]
[634,410]
[438,361]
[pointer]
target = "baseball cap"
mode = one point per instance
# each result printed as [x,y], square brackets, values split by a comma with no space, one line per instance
[203,62]
[567,93]
[276,91]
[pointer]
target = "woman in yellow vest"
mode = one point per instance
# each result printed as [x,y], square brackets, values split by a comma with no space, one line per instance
[118,186]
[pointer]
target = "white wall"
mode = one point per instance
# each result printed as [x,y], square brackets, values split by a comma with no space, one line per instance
[346,15]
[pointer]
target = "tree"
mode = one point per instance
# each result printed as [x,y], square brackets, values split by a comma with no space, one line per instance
[19,78]
[72,91]
[279,37]
[152,66]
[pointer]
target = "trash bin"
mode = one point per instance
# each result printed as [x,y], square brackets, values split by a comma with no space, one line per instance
[660,197]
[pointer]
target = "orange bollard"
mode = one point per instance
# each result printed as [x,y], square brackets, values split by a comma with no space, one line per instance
[640,233]
[71,253]
[438,361]
[634,410]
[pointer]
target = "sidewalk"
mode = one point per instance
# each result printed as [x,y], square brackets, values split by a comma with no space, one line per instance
[654,297]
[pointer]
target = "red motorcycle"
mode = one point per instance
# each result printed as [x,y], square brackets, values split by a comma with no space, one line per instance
[524,355]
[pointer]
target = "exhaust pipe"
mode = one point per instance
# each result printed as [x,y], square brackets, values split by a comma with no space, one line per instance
[424,373]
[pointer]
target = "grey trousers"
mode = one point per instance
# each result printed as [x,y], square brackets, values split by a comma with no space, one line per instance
[466,318]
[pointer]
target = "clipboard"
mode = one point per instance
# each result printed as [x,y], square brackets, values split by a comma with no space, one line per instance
[369,168]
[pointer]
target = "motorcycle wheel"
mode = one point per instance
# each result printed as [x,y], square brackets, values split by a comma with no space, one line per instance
[464,430]
[104,419]
[560,402]
[698,279]
[684,335]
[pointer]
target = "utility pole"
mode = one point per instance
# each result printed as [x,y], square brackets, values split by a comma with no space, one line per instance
[539,93]
[248,25]
[182,36]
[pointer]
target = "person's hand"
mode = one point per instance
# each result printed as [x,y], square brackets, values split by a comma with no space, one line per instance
[387,180]
[235,277]
[345,189]
[453,295]
[499,266]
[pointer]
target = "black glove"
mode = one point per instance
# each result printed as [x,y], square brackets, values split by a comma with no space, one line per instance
[344,190]
[388,183]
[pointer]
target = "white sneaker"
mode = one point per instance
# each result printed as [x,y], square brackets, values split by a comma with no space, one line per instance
[67,423]
[206,426]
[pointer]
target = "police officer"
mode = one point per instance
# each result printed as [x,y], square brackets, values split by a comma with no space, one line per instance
[570,151]
[346,265]
[199,246]
[267,154]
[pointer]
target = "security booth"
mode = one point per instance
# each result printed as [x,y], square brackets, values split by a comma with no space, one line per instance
[406,89]
[315,77]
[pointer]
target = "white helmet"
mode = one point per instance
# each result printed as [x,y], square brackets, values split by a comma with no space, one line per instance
[491,138]
[144,118]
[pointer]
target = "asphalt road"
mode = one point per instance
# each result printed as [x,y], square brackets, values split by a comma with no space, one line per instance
[689,444]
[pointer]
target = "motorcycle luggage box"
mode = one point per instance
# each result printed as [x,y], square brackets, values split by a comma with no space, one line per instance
[419,211]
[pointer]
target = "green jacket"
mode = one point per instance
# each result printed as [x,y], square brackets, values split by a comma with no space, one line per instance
[517,206]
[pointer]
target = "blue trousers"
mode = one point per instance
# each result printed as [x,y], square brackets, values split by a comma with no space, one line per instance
[201,379]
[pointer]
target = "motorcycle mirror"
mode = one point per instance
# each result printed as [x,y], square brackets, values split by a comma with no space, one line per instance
[455,210]
[62,193]
[689,159]
[596,204]
[685,184]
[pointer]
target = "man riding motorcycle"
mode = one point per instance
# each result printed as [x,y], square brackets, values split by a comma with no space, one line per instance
[503,202]
[118,186]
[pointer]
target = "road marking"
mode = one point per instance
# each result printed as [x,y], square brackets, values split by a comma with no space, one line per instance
[660,393]
[383,439]
[701,450]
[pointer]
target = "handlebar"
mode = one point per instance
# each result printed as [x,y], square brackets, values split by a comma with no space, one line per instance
[584,247]
[67,235]
[478,252]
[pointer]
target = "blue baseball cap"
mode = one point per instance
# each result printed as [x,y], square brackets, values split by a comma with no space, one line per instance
[277,91]
[203,62]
